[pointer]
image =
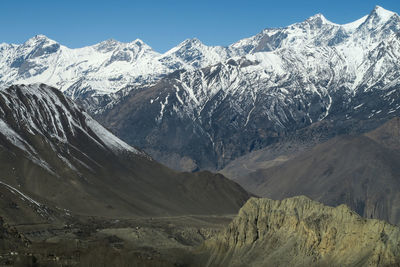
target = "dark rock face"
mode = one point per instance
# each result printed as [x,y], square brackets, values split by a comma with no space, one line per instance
[218,124]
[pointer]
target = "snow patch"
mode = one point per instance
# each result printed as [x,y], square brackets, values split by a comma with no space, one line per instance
[358,106]
[111,141]
[163,105]
[13,189]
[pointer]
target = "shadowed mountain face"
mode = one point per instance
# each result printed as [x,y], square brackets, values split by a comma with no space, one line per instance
[299,141]
[301,232]
[388,135]
[361,171]
[52,152]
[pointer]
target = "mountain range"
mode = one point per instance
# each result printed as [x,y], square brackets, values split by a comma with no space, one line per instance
[100,69]
[285,80]
[199,107]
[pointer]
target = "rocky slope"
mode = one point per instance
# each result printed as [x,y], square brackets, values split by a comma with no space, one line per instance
[388,135]
[357,170]
[283,80]
[10,238]
[294,143]
[301,232]
[53,153]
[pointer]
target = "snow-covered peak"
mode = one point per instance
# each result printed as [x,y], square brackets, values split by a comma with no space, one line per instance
[378,17]
[378,14]
[191,42]
[139,43]
[114,45]
[382,13]
[317,31]
[98,69]
[186,44]
[107,45]
[193,54]
[110,41]
[39,39]
[319,19]
[142,46]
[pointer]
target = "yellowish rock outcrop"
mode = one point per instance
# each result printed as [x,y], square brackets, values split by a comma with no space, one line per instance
[301,232]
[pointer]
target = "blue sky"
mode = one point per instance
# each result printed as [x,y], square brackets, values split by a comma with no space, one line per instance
[164,24]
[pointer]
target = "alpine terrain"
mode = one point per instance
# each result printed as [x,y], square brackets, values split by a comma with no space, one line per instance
[199,107]
[117,155]
[52,152]
[283,80]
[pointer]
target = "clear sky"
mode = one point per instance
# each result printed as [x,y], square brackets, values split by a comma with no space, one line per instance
[164,24]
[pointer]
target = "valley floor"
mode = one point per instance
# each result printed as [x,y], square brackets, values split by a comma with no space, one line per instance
[165,241]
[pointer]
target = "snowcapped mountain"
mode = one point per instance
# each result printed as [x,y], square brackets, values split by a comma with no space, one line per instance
[192,54]
[280,80]
[109,66]
[317,31]
[198,105]
[104,67]
[99,69]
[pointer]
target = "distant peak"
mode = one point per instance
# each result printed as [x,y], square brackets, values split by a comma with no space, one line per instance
[40,36]
[318,16]
[187,44]
[382,13]
[192,41]
[107,45]
[140,43]
[380,9]
[377,15]
[40,39]
[110,41]
[319,19]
